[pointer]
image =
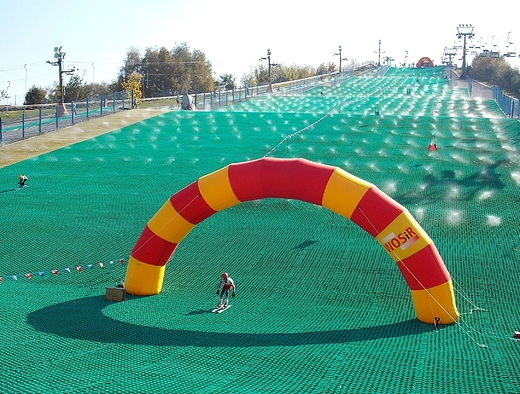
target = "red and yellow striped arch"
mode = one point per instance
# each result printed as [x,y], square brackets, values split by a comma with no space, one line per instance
[331,187]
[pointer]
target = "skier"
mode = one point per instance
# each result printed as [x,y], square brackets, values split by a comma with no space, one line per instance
[21,180]
[227,284]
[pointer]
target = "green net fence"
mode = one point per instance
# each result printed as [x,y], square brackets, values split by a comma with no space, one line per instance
[320,306]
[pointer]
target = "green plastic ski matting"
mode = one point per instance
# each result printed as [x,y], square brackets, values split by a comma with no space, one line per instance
[320,306]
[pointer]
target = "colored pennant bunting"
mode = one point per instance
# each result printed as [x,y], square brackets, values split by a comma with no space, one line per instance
[78,268]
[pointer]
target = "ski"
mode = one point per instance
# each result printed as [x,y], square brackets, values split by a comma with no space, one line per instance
[223,309]
[220,309]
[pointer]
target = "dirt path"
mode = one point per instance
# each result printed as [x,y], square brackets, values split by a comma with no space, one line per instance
[31,147]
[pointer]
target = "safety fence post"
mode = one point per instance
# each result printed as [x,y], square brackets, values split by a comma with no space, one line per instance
[39,120]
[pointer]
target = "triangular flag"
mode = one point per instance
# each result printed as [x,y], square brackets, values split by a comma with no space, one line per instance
[28,276]
[432,147]
[55,272]
[0,279]
[89,265]
[41,273]
[121,261]
[101,264]
[78,268]
[67,269]
[14,277]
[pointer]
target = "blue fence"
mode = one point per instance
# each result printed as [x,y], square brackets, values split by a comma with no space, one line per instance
[508,104]
[36,120]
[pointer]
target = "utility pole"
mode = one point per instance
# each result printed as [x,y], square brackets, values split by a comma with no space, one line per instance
[59,56]
[340,59]
[464,31]
[268,58]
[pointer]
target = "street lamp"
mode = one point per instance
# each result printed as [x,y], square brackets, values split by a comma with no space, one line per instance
[340,58]
[464,31]
[268,58]
[59,56]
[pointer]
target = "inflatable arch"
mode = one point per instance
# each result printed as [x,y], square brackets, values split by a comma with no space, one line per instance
[424,62]
[387,221]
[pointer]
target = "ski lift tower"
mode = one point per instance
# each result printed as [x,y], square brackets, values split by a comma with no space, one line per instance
[464,31]
[59,56]
[340,58]
[269,65]
[449,54]
[379,52]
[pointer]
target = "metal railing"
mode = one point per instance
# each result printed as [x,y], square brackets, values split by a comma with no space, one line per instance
[29,121]
[509,105]
[222,98]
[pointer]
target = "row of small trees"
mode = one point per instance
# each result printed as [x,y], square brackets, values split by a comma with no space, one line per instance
[496,71]
[162,72]
[165,72]
[74,90]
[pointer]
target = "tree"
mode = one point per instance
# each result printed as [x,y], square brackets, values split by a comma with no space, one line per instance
[192,71]
[96,89]
[496,71]
[35,95]
[52,94]
[326,68]
[262,75]
[133,83]
[172,72]
[74,89]
[226,81]
[248,80]
[132,62]
[282,73]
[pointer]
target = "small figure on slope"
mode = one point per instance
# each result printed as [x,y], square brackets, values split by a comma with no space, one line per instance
[227,284]
[21,180]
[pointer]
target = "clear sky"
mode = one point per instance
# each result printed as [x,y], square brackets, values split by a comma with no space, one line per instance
[234,34]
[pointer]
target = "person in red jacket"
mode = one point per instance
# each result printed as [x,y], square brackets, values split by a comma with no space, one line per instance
[227,284]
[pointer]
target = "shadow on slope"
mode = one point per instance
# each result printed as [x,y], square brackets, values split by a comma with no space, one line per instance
[83,319]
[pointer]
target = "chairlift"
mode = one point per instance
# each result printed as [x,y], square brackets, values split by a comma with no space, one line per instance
[510,48]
